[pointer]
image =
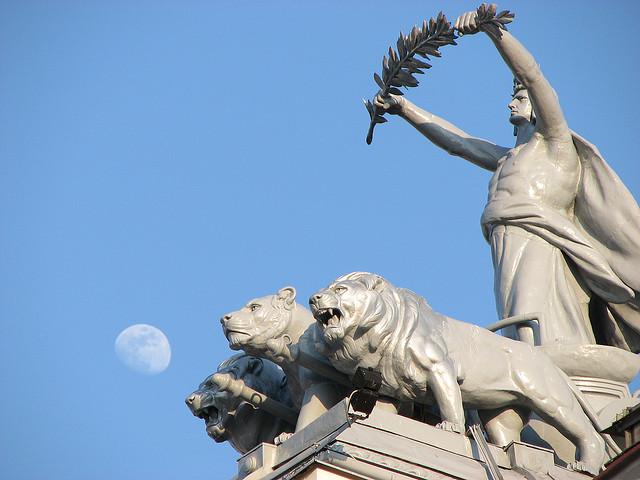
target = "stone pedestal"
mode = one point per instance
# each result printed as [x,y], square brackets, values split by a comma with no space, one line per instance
[344,445]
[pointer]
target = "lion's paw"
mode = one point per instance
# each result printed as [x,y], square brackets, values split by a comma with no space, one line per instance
[281,438]
[450,427]
[581,467]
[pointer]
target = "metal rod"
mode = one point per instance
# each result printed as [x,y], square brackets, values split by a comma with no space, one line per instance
[322,368]
[237,388]
[516,319]
[483,447]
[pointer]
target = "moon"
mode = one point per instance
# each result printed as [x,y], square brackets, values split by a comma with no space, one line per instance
[144,349]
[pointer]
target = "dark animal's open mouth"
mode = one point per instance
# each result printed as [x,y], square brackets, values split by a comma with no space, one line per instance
[210,414]
[329,317]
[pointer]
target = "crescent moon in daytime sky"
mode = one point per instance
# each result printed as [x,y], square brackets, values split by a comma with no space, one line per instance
[144,349]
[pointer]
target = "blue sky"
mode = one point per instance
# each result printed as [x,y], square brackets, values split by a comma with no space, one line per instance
[163,162]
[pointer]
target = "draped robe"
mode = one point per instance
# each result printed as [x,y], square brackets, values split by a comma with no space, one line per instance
[582,273]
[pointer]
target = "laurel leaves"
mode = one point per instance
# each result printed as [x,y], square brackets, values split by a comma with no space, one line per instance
[400,66]
[491,22]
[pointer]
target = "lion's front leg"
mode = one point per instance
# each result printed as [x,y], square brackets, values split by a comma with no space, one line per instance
[318,399]
[442,380]
[444,385]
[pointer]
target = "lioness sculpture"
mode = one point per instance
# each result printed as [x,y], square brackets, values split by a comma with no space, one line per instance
[268,327]
[228,418]
[427,357]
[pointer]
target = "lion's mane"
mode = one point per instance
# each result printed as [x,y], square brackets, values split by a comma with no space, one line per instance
[400,313]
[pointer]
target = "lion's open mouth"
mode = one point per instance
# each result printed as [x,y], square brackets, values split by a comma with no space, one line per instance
[209,414]
[329,317]
[215,424]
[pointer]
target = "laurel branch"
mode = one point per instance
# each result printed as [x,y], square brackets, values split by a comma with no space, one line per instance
[399,68]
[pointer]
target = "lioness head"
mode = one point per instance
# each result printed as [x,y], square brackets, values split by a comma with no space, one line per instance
[260,320]
[350,306]
[227,418]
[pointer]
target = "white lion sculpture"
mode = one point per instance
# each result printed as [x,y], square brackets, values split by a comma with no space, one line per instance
[269,327]
[430,358]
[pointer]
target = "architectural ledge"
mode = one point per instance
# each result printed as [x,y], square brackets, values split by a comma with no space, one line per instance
[343,444]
